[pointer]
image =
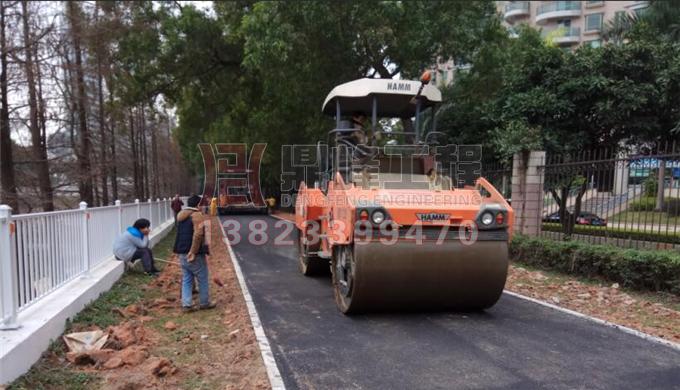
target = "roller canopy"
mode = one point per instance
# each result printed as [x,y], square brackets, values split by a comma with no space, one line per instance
[394,97]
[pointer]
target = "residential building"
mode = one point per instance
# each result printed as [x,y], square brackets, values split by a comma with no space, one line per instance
[568,23]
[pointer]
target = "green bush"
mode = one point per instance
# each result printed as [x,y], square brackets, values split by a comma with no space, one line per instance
[672,207]
[644,204]
[639,269]
[650,186]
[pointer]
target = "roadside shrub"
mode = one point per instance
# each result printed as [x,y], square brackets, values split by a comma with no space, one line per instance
[672,207]
[669,238]
[644,204]
[639,269]
[650,186]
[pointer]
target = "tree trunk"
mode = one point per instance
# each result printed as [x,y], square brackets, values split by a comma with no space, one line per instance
[84,165]
[112,130]
[38,148]
[145,159]
[8,190]
[103,163]
[661,182]
[155,175]
[135,163]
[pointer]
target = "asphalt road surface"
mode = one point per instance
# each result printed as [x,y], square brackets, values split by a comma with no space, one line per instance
[514,345]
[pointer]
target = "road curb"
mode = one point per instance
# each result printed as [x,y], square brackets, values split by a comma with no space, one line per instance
[273,373]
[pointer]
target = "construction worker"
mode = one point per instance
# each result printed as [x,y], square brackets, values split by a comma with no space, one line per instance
[133,244]
[192,247]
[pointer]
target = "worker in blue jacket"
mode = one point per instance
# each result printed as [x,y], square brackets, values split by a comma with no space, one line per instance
[133,244]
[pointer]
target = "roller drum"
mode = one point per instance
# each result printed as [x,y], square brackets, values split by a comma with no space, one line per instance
[427,276]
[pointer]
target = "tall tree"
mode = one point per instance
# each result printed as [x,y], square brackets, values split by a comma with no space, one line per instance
[38,147]
[99,51]
[85,181]
[8,192]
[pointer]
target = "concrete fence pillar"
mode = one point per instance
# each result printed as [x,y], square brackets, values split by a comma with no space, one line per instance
[9,289]
[139,209]
[86,238]
[527,191]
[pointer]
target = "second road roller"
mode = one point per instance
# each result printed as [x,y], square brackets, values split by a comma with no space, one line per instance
[398,221]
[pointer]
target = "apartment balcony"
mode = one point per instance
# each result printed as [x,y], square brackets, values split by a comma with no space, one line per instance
[515,10]
[563,35]
[638,5]
[558,10]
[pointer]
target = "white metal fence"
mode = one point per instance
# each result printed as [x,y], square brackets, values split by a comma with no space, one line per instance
[42,251]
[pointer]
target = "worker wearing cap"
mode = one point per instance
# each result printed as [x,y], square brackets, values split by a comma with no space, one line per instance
[191,246]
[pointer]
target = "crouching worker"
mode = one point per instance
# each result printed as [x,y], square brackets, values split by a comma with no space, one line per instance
[133,244]
[191,246]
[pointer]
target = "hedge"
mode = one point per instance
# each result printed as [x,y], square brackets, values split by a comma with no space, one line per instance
[639,269]
[670,205]
[626,234]
[644,204]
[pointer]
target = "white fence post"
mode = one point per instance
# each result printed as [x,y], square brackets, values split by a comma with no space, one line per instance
[120,216]
[158,206]
[86,238]
[139,209]
[9,288]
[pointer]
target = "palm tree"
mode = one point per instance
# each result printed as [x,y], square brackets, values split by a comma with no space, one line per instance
[664,16]
[616,31]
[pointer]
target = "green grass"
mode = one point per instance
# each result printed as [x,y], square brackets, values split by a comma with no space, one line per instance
[49,372]
[47,375]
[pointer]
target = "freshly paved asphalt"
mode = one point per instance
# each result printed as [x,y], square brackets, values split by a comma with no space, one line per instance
[514,345]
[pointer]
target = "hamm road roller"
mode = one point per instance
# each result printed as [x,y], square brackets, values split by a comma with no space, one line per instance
[398,230]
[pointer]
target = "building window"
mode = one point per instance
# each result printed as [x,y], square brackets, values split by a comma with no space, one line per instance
[594,43]
[594,3]
[594,22]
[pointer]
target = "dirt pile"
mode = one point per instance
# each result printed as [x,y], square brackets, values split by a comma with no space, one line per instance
[604,301]
[127,345]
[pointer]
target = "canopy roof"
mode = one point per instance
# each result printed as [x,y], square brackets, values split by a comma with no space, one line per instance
[393,97]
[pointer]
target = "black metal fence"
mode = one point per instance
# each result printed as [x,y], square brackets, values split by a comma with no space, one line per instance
[629,198]
[500,175]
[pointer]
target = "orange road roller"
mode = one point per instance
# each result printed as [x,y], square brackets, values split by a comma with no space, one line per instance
[397,229]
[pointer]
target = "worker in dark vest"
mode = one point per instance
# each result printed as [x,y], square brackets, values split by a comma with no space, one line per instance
[192,248]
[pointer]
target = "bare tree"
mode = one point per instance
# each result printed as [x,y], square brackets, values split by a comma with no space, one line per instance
[38,145]
[85,185]
[8,192]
